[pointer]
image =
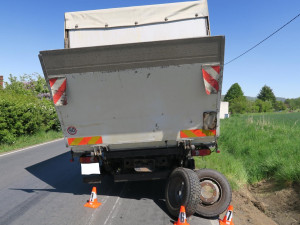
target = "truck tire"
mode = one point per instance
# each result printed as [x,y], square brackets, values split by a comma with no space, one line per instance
[215,193]
[183,188]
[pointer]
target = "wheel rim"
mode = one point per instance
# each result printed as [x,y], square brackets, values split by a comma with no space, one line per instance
[210,191]
[176,192]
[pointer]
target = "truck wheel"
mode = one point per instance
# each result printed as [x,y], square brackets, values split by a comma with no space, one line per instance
[183,188]
[215,193]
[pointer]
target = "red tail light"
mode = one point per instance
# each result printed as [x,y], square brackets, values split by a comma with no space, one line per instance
[88,160]
[201,152]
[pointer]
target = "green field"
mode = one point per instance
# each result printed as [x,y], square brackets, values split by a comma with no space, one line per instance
[256,147]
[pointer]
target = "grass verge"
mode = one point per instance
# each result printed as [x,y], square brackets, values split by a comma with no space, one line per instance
[256,147]
[25,141]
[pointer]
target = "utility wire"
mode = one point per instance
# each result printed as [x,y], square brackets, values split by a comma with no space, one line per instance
[262,40]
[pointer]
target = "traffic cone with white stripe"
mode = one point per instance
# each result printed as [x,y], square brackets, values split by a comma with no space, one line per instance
[93,202]
[182,217]
[227,220]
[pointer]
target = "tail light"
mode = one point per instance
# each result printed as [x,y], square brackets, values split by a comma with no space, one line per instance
[209,120]
[90,159]
[201,152]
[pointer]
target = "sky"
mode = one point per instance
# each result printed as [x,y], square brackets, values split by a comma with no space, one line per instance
[27,27]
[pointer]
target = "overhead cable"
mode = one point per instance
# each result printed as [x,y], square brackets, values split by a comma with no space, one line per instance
[263,40]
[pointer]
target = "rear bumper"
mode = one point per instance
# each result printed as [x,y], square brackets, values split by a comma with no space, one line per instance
[136,151]
[142,176]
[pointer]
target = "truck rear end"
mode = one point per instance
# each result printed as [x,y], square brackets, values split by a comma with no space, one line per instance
[137,91]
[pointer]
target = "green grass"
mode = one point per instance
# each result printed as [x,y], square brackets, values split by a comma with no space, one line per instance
[256,147]
[25,141]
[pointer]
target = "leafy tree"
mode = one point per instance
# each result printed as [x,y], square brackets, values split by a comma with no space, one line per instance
[16,86]
[279,106]
[252,107]
[32,84]
[242,105]
[266,94]
[238,105]
[293,103]
[264,106]
[235,91]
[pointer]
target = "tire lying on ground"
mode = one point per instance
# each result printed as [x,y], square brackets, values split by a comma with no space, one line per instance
[183,188]
[215,193]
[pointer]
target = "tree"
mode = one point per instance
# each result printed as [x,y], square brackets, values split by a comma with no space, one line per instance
[33,84]
[266,94]
[252,107]
[279,106]
[235,91]
[238,105]
[263,106]
[293,103]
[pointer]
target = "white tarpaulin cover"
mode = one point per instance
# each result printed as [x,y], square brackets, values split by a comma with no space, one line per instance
[139,15]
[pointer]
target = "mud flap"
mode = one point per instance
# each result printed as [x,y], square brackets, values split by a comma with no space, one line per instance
[90,172]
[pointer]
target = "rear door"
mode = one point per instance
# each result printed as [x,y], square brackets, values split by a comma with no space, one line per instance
[140,95]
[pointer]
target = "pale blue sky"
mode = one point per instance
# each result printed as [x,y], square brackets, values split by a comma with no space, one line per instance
[28,27]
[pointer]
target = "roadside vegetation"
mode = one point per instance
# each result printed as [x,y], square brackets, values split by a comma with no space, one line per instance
[264,102]
[26,113]
[260,140]
[30,140]
[255,147]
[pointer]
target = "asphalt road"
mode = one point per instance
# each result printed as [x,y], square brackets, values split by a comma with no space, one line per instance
[40,186]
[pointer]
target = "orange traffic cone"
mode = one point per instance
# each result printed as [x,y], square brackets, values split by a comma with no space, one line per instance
[227,220]
[182,217]
[93,202]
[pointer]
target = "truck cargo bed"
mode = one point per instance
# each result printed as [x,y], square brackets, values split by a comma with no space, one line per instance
[131,96]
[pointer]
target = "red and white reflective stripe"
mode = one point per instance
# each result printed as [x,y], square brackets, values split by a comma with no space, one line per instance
[211,77]
[58,89]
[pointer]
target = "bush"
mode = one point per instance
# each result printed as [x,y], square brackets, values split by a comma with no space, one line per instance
[239,105]
[293,104]
[279,106]
[23,113]
[264,106]
[28,85]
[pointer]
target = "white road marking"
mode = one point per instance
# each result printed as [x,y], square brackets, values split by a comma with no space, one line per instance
[34,146]
[112,210]
[102,200]
[92,216]
[118,198]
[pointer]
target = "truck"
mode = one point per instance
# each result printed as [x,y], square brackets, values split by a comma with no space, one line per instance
[137,91]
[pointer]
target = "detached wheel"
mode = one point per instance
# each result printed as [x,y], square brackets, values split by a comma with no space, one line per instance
[183,188]
[215,194]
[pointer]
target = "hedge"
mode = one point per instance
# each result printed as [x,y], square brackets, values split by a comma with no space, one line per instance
[24,114]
